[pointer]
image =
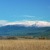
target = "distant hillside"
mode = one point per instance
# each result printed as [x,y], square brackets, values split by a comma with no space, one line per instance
[20,30]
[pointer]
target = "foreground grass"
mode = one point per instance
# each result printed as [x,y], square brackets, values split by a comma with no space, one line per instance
[24,44]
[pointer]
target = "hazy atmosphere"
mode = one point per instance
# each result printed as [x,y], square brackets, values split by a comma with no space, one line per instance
[24,24]
[17,10]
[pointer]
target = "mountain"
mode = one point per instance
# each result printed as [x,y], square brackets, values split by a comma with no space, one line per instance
[26,23]
[26,29]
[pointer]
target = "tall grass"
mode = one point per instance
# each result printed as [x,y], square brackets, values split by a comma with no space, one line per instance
[25,44]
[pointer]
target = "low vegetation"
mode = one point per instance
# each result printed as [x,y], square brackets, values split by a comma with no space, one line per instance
[22,37]
[25,44]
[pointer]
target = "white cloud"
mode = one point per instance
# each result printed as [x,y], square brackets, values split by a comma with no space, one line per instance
[43,23]
[3,22]
[25,23]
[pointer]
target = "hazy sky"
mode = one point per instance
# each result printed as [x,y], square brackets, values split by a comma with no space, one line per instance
[16,10]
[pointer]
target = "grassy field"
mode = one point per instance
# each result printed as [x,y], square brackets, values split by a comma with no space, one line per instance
[24,44]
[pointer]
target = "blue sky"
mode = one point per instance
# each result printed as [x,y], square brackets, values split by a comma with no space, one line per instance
[17,10]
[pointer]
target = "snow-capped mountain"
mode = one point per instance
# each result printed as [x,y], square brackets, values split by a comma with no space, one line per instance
[27,23]
[25,28]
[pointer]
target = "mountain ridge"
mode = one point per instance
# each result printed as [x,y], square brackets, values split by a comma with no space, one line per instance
[25,30]
[16,30]
[28,23]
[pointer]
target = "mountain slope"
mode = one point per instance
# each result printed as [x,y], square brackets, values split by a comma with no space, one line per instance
[25,28]
[20,30]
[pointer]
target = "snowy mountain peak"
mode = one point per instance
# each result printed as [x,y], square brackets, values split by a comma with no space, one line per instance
[26,23]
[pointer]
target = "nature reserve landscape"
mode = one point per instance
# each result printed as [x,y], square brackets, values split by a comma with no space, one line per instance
[24,24]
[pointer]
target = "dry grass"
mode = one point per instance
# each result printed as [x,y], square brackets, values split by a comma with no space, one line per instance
[24,44]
